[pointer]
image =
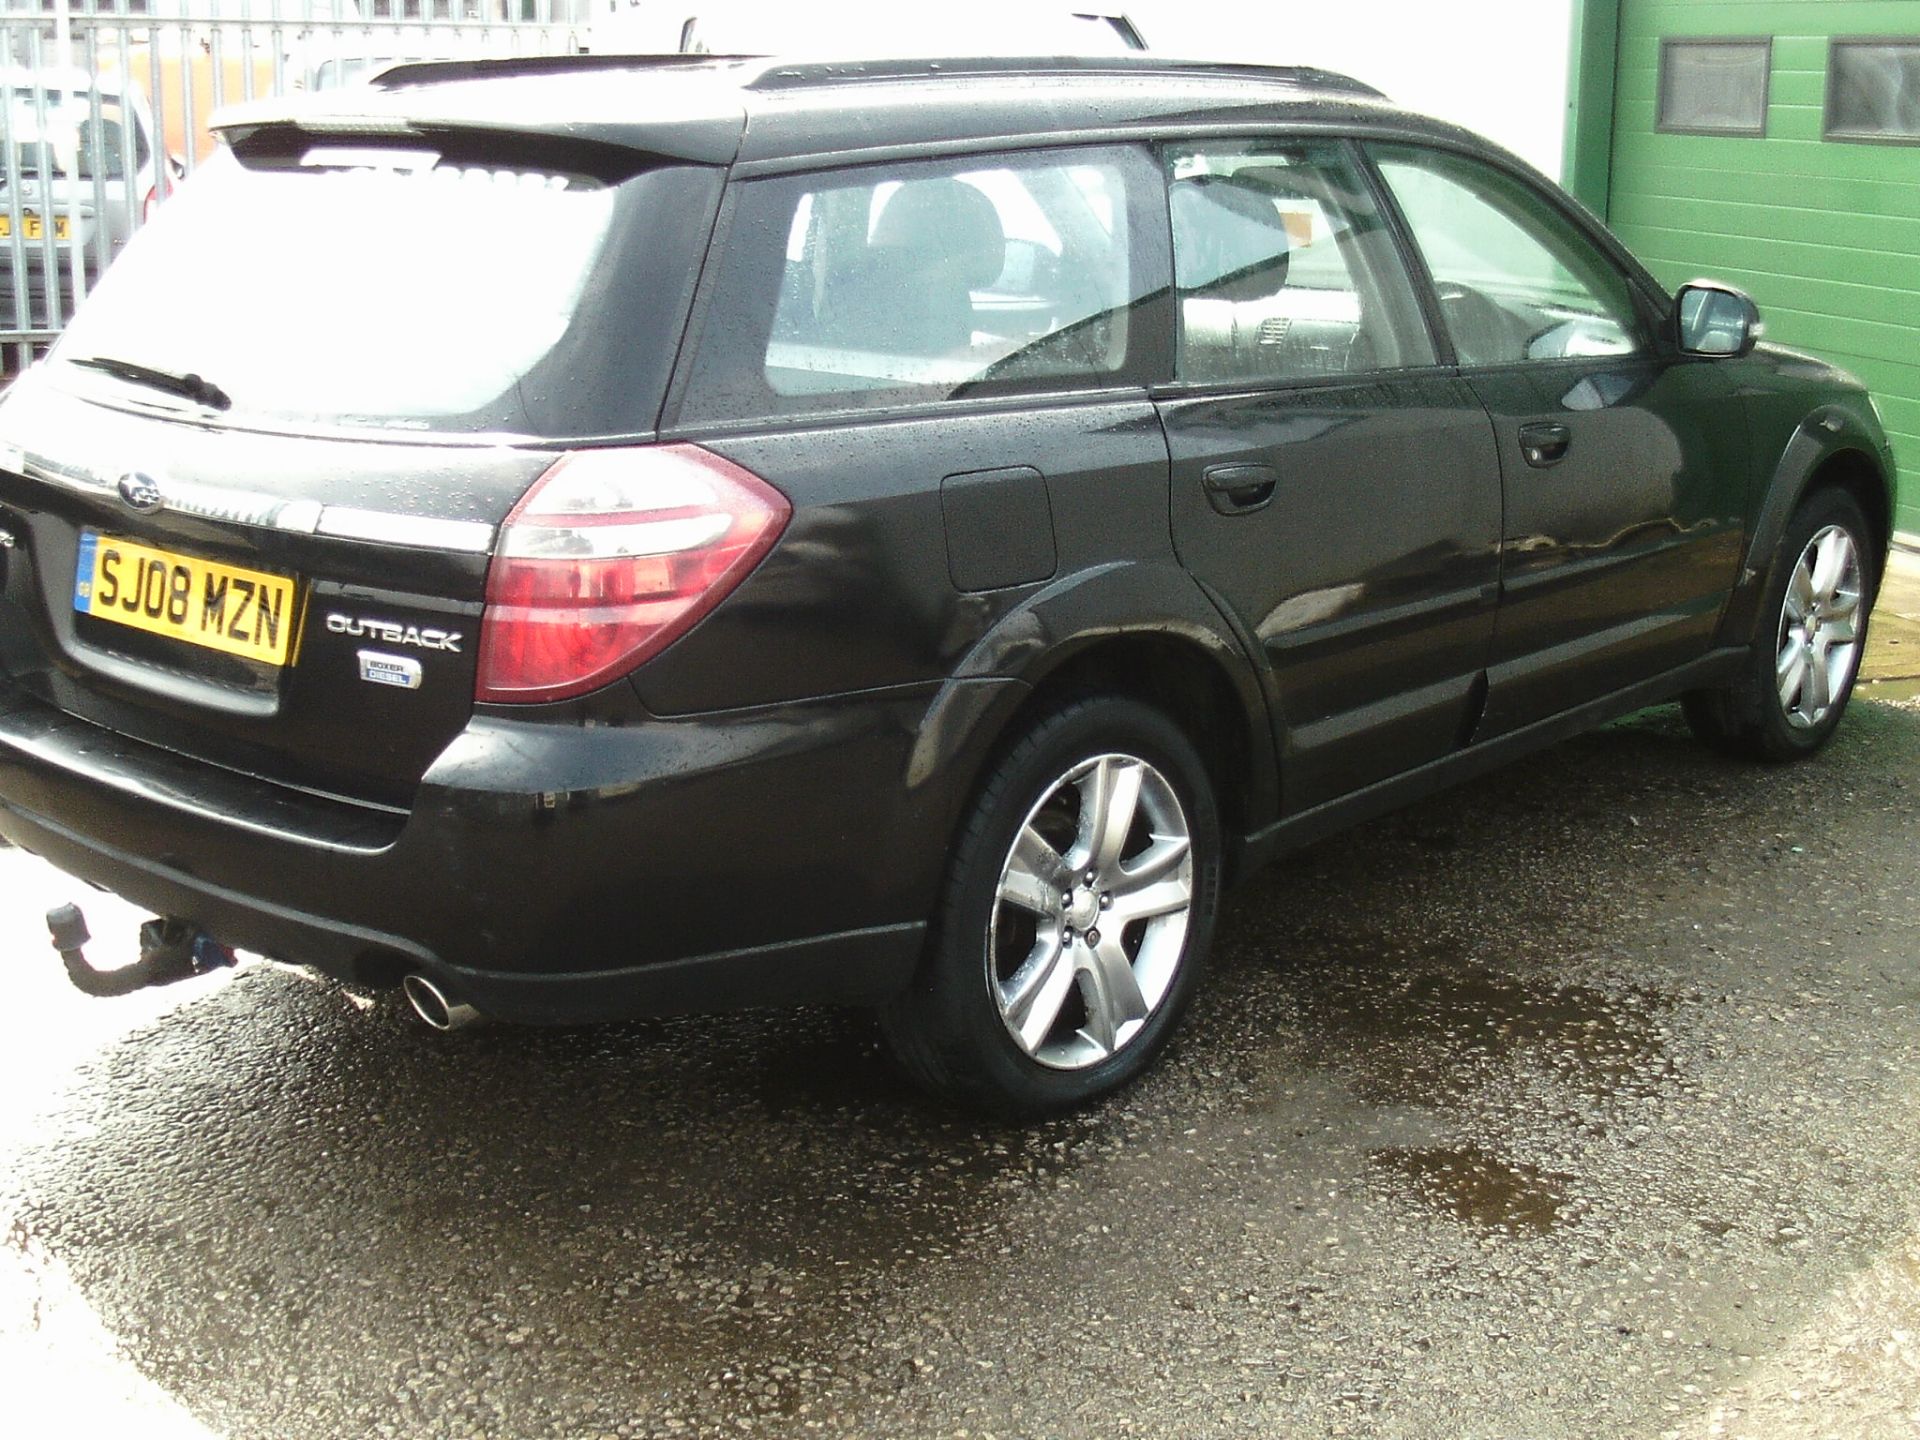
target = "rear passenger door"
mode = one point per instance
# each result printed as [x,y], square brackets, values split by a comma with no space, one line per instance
[942,364]
[1334,487]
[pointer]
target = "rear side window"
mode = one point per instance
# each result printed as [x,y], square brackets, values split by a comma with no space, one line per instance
[1284,268]
[896,283]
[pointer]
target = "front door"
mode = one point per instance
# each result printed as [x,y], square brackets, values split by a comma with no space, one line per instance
[1623,484]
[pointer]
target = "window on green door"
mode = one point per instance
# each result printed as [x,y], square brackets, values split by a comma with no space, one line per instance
[1873,90]
[1714,87]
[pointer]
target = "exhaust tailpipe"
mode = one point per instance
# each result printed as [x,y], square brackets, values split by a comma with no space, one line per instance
[433,1005]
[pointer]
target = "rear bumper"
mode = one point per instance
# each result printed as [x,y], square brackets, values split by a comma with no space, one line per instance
[545,873]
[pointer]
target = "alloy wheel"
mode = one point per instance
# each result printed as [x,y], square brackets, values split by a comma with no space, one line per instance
[1819,636]
[1091,912]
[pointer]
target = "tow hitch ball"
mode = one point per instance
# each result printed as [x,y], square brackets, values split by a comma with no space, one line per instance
[170,950]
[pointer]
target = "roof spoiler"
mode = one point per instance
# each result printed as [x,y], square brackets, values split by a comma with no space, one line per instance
[288,143]
[410,73]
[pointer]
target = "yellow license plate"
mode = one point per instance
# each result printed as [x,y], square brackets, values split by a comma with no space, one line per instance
[31,228]
[220,607]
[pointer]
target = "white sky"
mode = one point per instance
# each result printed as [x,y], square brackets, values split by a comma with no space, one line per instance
[1496,66]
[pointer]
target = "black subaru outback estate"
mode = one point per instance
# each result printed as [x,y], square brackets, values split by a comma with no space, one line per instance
[600,536]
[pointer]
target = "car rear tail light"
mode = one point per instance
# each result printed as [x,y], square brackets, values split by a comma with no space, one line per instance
[610,557]
[150,204]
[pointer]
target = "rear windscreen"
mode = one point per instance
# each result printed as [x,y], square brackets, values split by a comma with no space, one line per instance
[391,290]
[68,134]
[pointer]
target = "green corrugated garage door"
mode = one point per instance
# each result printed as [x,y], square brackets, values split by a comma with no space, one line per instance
[1824,233]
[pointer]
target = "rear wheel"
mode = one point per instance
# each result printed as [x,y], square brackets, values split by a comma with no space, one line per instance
[1079,908]
[1800,674]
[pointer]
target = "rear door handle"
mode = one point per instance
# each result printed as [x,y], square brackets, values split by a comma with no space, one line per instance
[1545,444]
[1239,489]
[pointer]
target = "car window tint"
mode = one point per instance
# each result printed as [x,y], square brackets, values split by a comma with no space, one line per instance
[1515,280]
[920,281]
[1284,268]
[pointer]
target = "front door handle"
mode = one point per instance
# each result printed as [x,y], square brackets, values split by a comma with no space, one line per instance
[1545,444]
[1239,489]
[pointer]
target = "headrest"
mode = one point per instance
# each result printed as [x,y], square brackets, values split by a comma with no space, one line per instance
[1230,240]
[946,222]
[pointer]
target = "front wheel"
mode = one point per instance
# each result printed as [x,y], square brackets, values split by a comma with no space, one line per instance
[1813,631]
[1079,908]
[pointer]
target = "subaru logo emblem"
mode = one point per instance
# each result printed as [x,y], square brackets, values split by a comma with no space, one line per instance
[141,492]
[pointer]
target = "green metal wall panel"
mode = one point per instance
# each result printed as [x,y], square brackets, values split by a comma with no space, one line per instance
[1732,214]
[1586,163]
[1825,235]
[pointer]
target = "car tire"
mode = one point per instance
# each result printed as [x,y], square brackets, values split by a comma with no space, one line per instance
[1811,634]
[1079,909]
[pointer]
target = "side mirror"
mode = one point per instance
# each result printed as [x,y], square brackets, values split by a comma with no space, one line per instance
[1715,320]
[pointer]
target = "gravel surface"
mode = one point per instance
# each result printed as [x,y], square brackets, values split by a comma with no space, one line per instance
[1580,1101]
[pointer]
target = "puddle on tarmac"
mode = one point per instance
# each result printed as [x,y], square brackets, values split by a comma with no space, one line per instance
[1477,1187]
[66,1373]
[1431,1030]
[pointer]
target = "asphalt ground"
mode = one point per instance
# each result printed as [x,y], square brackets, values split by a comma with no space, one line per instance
[1579,1101]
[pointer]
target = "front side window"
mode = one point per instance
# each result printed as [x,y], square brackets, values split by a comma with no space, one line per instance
[1284,269]
[1516,281]
[1873,90]
[897,283]
[1714,87]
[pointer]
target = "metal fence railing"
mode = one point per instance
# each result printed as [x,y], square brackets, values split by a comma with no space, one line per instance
[104,109]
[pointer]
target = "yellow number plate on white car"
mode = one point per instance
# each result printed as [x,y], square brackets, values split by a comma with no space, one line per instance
[220,607]
[30,228]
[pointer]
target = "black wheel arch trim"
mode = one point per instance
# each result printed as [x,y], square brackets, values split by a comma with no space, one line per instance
[1065,620]
[1829,433]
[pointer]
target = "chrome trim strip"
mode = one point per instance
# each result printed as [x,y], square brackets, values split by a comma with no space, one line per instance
[269,512]
[345,522]
[38,467]
[237,507]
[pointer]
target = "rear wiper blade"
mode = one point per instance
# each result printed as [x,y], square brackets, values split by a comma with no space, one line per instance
[189,386]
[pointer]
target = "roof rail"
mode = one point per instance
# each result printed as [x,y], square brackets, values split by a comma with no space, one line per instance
[778,74]
[798,74]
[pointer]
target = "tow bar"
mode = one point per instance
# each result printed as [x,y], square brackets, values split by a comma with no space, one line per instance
[170,950]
